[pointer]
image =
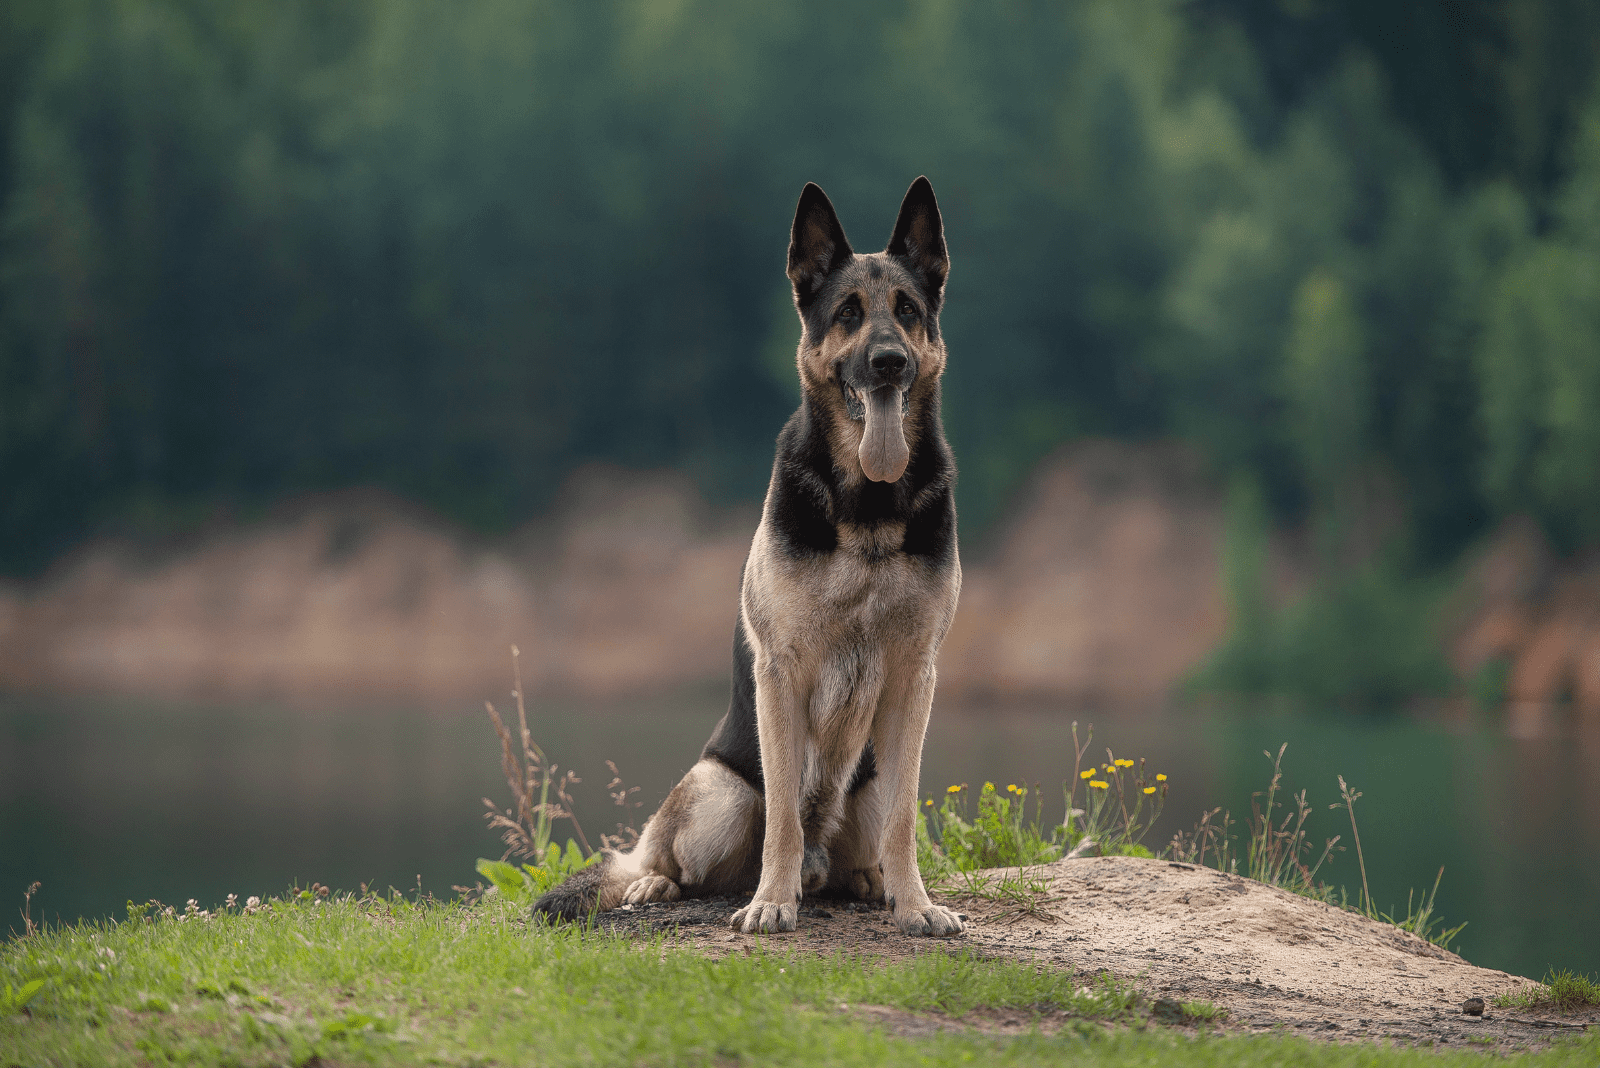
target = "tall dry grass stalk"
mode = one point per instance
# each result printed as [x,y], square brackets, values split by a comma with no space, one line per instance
[1211,834]
[1349,798]
[1078,749]
[622,794]
[525,827]
[29,928]
[1277,850]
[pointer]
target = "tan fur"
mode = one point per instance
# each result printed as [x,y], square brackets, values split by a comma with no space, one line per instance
[702,837]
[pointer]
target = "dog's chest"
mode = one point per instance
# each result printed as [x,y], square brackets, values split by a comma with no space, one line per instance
[865,592]
[865,583]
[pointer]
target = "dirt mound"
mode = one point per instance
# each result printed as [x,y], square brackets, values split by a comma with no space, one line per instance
[1271,959]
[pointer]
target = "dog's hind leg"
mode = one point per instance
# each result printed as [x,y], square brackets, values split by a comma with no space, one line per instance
[703,840]
[713,818]
[857,848]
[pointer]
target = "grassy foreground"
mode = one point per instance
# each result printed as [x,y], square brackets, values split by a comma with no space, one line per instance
[312,980]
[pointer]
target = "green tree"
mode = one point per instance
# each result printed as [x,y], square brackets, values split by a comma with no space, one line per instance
[1539,360]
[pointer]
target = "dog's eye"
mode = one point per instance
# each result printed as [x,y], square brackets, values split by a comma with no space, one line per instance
[847,313]
[907,310]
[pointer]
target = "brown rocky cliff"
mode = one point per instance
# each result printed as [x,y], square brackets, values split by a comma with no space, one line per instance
[1103,587]
[630,588]
[1538,617]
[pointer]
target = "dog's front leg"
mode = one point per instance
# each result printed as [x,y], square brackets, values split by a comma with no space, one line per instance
[897,734]
[781,728]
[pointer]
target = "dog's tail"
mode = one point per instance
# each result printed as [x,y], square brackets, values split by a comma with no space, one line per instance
[597,888]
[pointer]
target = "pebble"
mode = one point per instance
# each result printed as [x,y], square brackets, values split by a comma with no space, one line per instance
[1472,1006]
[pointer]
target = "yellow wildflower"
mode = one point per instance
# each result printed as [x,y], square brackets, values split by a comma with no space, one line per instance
[1123,763]
[1149,789]
[988,786]
[1100,784]
[929,802]
[953,790]
[1162,777]
[1011,788]
[1087,774]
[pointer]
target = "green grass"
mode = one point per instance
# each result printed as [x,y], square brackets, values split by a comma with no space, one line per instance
[1191,1012]
[1020,894]
[390,981]
[1563,991]
[1204,1012]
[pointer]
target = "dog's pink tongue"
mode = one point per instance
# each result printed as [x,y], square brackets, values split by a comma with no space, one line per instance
[884,454]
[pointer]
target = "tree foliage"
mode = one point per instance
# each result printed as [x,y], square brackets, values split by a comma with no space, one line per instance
[253,249]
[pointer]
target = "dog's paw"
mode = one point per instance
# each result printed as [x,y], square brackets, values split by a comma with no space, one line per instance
[649,888]
[933,921]
[765,916]
[867,884]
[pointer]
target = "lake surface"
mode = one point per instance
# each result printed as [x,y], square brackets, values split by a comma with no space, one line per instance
[104,801]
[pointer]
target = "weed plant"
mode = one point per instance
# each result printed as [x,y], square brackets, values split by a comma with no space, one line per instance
[526,827]
[1121,803]
[1563,991]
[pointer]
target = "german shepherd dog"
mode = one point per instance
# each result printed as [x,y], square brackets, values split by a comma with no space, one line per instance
[809,783]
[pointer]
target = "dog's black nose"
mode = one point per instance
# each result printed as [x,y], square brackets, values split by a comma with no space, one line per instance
[887,361]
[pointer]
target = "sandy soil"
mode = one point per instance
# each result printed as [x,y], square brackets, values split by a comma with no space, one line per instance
[1273,960]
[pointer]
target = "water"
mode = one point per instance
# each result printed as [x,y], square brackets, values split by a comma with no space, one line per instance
[106,801]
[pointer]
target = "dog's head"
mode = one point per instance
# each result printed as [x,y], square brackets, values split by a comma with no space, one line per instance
[870,354]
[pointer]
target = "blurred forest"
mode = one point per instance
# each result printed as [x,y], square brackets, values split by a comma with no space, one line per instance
[1350,251]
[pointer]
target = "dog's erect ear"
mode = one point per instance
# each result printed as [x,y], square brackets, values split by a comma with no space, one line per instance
[817,247]
[918,240]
